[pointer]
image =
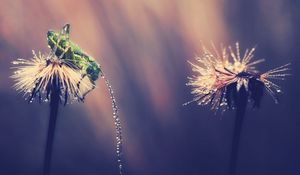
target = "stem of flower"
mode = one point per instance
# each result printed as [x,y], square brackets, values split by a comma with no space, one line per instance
[241,104]
[54,104]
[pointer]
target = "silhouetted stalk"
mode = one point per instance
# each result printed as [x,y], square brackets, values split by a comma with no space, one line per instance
[241,103]
[54,104]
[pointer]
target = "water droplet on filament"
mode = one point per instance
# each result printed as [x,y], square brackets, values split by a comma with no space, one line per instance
[118,127]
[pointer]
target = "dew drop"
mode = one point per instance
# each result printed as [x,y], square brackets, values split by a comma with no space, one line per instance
[222,104]
[17,72]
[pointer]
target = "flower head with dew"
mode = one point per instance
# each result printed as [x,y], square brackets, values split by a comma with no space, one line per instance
[220,75]
[37,77]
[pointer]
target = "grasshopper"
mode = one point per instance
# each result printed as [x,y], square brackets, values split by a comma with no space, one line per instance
[64,48]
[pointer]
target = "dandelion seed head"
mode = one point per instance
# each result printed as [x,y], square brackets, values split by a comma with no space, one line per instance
[220,74]
[36,77]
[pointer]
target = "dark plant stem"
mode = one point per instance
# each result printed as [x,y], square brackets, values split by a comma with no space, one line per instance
[241,103]
[54,104]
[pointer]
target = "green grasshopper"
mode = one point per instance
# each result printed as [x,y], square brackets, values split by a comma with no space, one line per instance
[64,48]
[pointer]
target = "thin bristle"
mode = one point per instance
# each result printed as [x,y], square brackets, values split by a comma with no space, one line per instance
[233,55]
[238,51]
[247,58]
[278,69]
[275,74]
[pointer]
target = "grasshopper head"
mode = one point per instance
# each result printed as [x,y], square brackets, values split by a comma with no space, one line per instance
[52,38]
[57,39]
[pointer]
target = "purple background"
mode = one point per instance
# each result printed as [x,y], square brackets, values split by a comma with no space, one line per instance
[143,46]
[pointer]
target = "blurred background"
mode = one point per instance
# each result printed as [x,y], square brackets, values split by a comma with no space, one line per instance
[143,47]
